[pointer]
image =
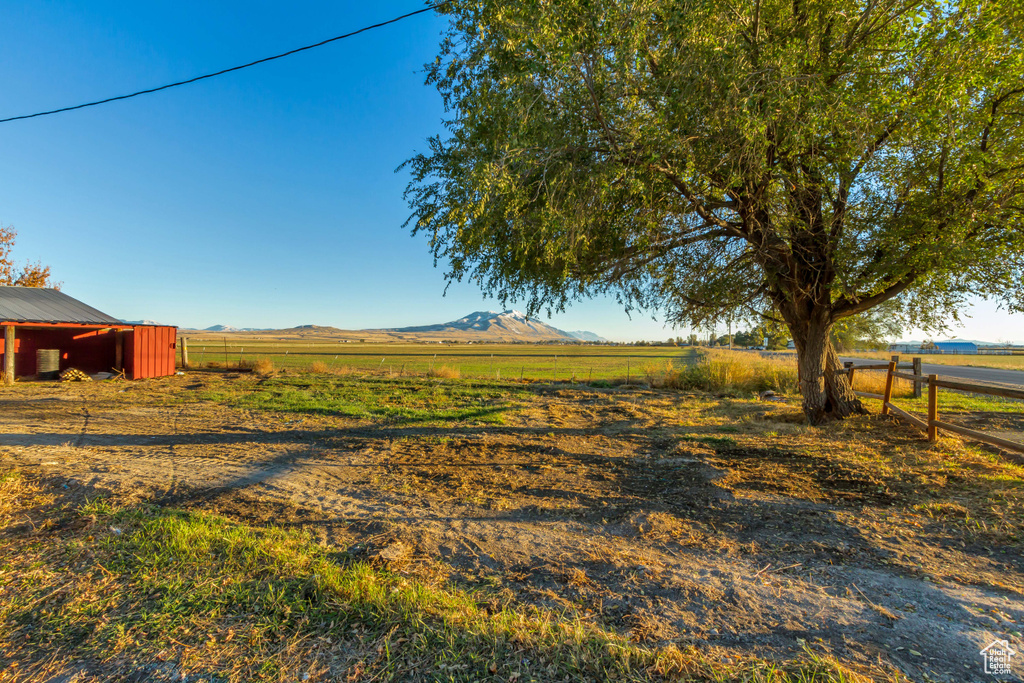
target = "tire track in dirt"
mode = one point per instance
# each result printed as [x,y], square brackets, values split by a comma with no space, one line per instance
[85,426]
[562,513]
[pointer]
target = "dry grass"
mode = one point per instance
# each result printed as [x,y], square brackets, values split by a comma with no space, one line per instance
[873,382]
[235,599]
[739,372]
[319,367]
[445,372]
[722,371]
[263,366]
[161,594]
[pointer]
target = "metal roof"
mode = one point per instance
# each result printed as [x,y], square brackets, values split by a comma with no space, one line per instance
[38,305]
[956,345]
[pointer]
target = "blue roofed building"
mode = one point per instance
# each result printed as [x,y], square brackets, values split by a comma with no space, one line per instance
[955,346]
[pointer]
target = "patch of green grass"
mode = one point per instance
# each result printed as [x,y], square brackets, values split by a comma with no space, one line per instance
[956,401]
[409,399]
[144,590]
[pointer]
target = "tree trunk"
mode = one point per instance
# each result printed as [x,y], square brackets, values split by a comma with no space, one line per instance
[827,394]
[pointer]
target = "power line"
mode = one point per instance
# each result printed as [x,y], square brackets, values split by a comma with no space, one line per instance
[223,71]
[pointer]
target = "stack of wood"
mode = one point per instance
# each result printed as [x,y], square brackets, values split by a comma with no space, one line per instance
[74,375]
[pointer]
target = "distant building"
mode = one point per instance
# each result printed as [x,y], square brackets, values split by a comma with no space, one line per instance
[911,347]
[965,348]
[953,347]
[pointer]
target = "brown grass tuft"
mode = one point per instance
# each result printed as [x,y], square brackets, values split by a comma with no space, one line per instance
[263,366]
[445,371]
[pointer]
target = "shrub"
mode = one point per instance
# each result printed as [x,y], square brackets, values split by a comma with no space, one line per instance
[744,372]
[735,371]
[319,367]
[445,371]
[263,366]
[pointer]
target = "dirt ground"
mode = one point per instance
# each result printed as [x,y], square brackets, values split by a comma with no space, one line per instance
[672,517]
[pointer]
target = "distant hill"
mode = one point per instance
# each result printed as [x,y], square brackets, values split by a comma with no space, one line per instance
[223,328]
[584,335]
[481,326]
[494,326]
[315,330]
[141,322]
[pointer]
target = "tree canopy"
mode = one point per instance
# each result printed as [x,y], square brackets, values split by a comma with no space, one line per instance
[801,160]
[26,275]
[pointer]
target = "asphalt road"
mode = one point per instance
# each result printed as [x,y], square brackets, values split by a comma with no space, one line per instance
[992,375]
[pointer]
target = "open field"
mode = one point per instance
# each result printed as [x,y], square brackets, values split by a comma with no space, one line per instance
[546,362]
[238,527]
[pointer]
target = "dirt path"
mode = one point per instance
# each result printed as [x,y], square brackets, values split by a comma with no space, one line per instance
[592,500]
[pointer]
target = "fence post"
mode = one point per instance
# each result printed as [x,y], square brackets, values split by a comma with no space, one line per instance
[9,346]
[888,386]
[184,353]
[849,374]
[917,371]
[118,350]
[933,407]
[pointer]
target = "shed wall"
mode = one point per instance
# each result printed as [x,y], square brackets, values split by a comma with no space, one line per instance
[90,351]
[149,351]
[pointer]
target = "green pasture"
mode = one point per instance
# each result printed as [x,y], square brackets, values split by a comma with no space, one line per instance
[544,362]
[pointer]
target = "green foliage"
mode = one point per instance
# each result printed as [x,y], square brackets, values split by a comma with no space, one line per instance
[809,158]
[869,330]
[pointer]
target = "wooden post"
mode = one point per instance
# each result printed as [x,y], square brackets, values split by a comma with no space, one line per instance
[9,355]
[118,350]
[849,375]
[917,371]
[933,407]
[184,353]
[888,387]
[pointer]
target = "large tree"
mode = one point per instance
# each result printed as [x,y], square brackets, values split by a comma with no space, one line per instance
[804,160]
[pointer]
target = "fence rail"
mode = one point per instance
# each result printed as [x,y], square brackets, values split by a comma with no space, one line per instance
[932,424]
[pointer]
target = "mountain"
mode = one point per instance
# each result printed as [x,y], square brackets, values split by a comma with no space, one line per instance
[228,328]
[494,326]
[481,326]
[584,335]
[141,322]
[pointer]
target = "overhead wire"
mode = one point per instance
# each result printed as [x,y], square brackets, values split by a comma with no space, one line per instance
[428,8]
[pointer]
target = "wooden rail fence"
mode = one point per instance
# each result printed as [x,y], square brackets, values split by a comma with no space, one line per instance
[933,424]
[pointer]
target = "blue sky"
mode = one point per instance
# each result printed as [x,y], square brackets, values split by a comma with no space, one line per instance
[263,198]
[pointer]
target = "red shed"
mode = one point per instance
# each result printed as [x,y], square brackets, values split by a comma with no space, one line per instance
[82,337]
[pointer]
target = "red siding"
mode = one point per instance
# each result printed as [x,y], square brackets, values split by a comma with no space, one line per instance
[149,351]
[93,350]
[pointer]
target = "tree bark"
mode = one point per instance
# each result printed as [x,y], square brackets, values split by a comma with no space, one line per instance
[827,393]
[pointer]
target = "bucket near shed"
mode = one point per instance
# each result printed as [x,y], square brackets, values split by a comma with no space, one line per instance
[48,363]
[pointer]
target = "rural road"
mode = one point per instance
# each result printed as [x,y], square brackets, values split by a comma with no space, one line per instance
[991,375]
